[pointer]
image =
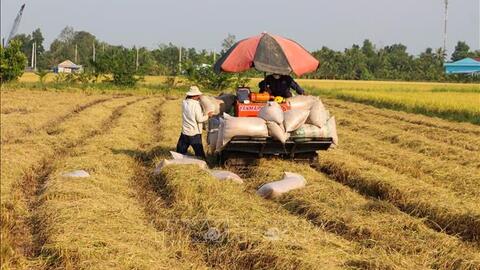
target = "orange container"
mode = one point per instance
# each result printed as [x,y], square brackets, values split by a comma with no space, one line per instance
[259,97]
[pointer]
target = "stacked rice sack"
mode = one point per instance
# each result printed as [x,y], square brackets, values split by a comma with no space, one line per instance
[318,123]
[307,118]
[218,105]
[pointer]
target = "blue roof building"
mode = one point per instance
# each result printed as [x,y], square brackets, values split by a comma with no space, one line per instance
[464,66]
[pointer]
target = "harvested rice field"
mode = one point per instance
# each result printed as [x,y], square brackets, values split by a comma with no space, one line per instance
[401,191]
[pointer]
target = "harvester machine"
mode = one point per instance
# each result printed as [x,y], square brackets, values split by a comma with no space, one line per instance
[244,151]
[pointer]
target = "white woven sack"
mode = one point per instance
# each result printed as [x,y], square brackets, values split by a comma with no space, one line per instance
[294,119]
[243,126]
[302,102]
[318,114]
[183,161]
[277,132]
[275,189]
[272,112]
[226,175]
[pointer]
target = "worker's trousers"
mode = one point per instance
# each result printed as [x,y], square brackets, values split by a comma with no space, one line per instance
[186,141]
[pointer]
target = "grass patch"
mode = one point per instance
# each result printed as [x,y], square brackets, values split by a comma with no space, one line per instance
[241,230]
[374,224]
[456,106]
[440,207]
[97,222]
[20,166]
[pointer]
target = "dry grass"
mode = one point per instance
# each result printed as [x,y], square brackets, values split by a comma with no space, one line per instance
[460,178]
[21,166]
[24,112]
[252,232]
[441,207]
[97,223]
[463,135]
[410,153]
[202,202]
[372,223]
[410,200]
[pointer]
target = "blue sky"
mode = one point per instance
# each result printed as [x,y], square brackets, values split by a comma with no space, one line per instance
[203,24]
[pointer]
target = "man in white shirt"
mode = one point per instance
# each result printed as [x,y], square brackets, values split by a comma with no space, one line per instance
[192,121]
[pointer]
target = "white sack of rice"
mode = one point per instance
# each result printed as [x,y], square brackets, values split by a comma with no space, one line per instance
[275,189]
[241,126]
[332,129]
[191,161]
[179,159]
[302,102]
[226,175]
[210,104]
[318,114]
[294,119]
[277,132]
[272,112]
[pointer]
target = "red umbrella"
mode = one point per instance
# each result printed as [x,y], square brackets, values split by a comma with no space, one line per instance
[268,53]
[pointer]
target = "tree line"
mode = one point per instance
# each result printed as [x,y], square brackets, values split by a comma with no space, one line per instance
[365,62]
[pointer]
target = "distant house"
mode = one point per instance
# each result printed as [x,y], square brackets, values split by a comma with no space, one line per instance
[68,66]
[464,66]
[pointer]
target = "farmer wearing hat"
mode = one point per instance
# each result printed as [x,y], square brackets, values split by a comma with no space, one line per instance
[192,120]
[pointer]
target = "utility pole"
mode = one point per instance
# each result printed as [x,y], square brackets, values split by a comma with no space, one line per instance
[136,61]
[445,31]
[35,54]
[180,60]
[478,24]
[93,52]
[76,54]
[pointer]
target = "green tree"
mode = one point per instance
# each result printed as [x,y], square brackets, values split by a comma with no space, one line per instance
[63,47]
[42,75]
[84,42]
[329,63]
[26,44]
[462,50]
[12,61]
[167,57]
[228,42]
[205,77]
[429,66]
[124,68]
[354,64]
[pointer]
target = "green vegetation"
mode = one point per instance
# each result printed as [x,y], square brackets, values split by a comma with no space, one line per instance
[205,77]
[365,62]
[12,62]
